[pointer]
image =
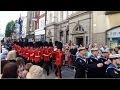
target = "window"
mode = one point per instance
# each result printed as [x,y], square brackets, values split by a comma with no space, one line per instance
[76,29]
[50,40]
[86,40]
[42,23]
[67,36]
[61,35]
[58,16]
[81,28]
[61,15]
[50,17]
[42,37]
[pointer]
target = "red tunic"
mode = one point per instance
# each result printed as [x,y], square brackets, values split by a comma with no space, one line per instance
[37,56]
[31,54]
[27,54]
[59,57]
[46,55]
[50,51]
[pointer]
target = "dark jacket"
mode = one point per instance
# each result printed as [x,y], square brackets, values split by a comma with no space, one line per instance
[81,67]
[93,70]
[112,72]
[102,59]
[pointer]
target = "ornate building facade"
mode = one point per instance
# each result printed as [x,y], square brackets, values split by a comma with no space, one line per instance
[68,26]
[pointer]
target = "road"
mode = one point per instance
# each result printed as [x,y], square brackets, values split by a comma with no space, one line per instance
[67,73]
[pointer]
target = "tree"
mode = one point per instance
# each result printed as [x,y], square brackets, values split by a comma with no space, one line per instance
[10,27]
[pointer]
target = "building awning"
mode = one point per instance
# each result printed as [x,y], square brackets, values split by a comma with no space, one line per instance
[39,32]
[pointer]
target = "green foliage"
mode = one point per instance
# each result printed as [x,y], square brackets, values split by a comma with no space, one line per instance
[10,27]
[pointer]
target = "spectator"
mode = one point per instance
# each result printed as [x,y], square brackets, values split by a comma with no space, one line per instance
[35,72]
[11,56]
[26,69]
[112,51]
[21,64]
[20,61]
[102,48]
[73,52]
[3,55]
[3,64]
[89,53]
[10,70]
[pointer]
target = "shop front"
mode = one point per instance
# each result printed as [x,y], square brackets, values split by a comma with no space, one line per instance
[39,35]
[30,37]
[113,37]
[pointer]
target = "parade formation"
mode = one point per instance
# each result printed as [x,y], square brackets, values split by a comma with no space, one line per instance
[92,61]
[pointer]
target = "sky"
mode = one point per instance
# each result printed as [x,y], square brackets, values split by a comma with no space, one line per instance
[6,16]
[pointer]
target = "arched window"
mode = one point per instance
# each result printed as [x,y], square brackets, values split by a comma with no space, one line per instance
[78,28]
[67,36]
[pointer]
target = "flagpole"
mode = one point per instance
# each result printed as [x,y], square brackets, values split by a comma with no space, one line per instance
[45,23]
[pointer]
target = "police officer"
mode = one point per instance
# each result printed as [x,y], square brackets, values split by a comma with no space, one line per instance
[113,70]
[80,63]
[94,65]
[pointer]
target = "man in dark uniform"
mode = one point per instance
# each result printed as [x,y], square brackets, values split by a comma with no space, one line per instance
[80,63]
[104,59]
[94,65]
[113,70]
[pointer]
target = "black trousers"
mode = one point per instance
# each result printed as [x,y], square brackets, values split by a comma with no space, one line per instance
[73,60]
[58,71]
[47,65]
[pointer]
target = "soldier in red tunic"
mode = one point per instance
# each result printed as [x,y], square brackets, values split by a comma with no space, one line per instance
[59,59]
[50,52]
[46,57]
[37,55]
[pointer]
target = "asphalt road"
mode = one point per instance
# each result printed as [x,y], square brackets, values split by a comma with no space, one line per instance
[67,73]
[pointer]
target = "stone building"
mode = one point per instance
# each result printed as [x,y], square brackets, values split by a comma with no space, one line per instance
[69,25]
[83,27]
[35,25]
